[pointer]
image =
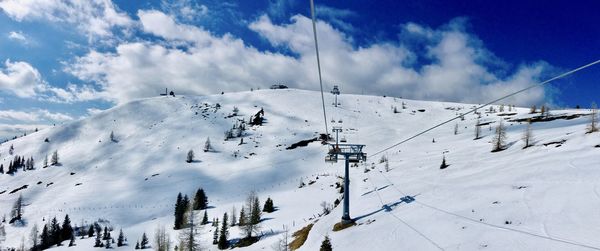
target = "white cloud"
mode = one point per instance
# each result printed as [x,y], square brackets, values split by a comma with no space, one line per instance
[20,79]
[459,67]
[18,36]
[96,18]
[184,9]
[37,116]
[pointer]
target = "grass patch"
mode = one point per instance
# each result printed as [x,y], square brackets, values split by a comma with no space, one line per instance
[341,226]
[300,237]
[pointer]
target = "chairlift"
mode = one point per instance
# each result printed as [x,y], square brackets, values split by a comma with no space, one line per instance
[343,139]
[331,158]
[340,121]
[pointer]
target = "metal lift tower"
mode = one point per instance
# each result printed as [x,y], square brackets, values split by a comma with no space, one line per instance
[352,153]
[335,92]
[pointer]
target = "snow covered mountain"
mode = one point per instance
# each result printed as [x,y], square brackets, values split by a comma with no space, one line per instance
[543,197]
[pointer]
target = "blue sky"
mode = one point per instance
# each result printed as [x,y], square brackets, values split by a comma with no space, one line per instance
[64,60]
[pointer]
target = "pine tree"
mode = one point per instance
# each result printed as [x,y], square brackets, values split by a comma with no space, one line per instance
[121,239]
[443,165]
[1,169]
[190,156]
[216,235]
[268,207]
[223,244]
[45,241]
[45,161]
[67,230]
[500,138]
[54,160]
[144,242]
[242,220]
[200,200]
[326,244]
[207,145]
[252,221]
[106,235]
[112,137]
[91,231]
[205,218]
[137,245]
[98,241]
[11,150]
[179,211]
[72,241]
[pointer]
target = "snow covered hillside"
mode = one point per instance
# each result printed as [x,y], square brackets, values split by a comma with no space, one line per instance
[543,197]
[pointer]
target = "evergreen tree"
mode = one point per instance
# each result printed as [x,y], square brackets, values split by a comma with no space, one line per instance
[1,169]
[205,218]
[106,235]
[242,220]
[200,200]
[216,235]
[144,243]
[137,245]
[443,165]
[55,232]
[54,160]
[107,244]
[223,244]
[179,211]
[11,150]
[326,244]
[45,241]
[207,145]
[98,242]
[121,239]
[268,207]
[67,230]
[91,231]
[256,212]
[190,156]
[72,241]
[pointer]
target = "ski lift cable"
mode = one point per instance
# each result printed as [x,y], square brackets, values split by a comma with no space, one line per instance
[489,224]
[314,25]
[486,104]
[399,219]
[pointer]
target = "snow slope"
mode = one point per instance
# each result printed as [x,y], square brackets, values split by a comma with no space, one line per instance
[542,197]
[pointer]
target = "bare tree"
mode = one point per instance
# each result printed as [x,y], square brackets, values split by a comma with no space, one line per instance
[16,213]
[189,238]
[499,138]
[34,237]
[527,135]
[162,240]
[252,221]
[593,126]
[283,244]
[456,129]
[54,160]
